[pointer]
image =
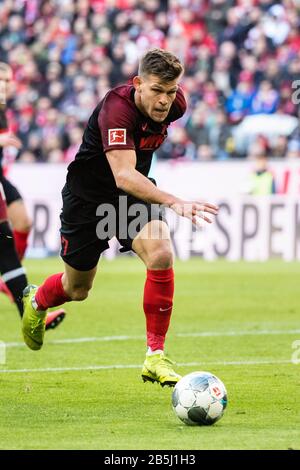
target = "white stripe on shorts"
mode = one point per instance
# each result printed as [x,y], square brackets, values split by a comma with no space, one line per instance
[13,274]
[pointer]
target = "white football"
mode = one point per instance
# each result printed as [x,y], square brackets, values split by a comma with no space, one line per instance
[199,398]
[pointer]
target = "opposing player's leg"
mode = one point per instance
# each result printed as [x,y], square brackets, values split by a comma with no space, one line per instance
[11,270]
[153,246]
[21,224]
[18,216]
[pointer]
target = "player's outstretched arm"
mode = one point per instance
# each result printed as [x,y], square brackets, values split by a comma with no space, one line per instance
[127,178]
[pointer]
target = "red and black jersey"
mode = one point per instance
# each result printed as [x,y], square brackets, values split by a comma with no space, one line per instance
[116,123]
[3,129]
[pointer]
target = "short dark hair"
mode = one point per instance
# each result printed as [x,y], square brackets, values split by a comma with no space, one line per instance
[162,63]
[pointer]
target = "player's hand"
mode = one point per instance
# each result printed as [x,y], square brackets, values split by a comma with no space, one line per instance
[10,140]
[195,210]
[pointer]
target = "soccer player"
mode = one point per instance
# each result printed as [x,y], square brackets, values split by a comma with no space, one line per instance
[13,212]
[112,164]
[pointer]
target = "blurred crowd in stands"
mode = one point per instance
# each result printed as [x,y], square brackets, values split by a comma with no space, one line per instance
[242,60]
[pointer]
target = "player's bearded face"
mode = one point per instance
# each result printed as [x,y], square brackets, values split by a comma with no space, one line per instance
[153,97]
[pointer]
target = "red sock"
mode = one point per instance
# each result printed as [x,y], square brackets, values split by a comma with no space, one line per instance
[20,239]
[51,293]
[158,303]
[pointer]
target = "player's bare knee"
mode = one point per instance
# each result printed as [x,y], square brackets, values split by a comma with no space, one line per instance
[160,259]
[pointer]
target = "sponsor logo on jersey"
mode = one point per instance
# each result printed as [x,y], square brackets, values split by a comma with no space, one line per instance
[116,136]
[151,142]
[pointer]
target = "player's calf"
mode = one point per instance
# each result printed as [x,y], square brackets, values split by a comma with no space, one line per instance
[13,274]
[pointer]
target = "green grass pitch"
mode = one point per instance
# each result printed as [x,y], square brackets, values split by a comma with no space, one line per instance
[236,320]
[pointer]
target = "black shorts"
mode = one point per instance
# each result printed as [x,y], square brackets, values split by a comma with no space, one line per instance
[10,191]
[84,228]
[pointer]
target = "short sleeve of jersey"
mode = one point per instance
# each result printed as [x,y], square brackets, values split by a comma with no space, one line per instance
[116,122]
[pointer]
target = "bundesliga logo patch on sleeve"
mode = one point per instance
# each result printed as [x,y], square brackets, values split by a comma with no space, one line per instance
[116,136]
